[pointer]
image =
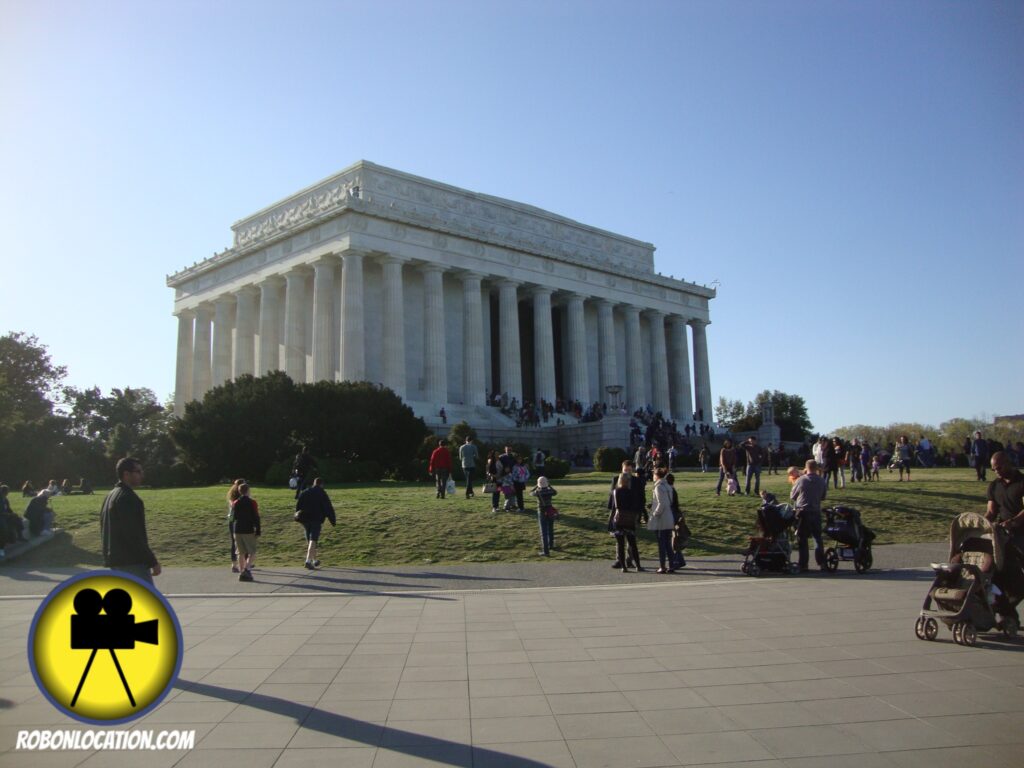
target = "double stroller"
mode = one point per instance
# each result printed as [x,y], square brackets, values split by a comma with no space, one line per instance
[770,549]
[853,539]
[978,589]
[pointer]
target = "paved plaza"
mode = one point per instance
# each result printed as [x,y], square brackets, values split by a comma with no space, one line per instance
[378,668]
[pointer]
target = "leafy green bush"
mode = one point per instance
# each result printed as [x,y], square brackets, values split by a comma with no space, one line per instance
[555,469]
[609,459]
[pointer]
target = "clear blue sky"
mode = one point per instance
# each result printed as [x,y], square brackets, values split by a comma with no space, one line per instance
[851,173]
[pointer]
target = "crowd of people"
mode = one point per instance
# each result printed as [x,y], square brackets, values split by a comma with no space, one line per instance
[641,494]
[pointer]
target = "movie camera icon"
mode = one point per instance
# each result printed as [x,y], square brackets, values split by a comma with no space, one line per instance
[116,630]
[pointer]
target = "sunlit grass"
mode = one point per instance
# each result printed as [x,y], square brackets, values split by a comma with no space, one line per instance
[391,523]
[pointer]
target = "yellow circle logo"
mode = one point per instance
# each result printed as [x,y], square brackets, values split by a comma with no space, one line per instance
[105,647]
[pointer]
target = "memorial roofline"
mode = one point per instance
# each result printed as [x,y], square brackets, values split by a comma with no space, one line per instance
[359,165]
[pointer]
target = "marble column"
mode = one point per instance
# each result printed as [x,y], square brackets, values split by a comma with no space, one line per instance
[201,375]
[543,346]
[474,386]
[394,326]
[244,361]
[679,370]
[701,369]
[223,310]
[323,325]
[635,382]
[607,375]
[510,362]
[183,372]
[435,359]
[270,308]
[659,364]
[295,325]
[353,353]
[579,384]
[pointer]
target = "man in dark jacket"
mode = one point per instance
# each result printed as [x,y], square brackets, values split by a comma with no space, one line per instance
[123,525]
[312,507]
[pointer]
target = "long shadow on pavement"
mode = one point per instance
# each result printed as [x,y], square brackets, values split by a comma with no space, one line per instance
[374,735]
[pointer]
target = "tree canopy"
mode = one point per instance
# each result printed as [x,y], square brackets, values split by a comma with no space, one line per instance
[790,414]
[243,427]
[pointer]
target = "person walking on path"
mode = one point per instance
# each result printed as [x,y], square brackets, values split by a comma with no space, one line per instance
[979,454]
[246,516]
[123,525]
[468,456]
[545,514]
[311,509]
[661,521]
[440,467]
[807,494]
[232,498]
[726,464]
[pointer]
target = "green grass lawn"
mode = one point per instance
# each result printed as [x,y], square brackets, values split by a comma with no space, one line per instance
[390,523]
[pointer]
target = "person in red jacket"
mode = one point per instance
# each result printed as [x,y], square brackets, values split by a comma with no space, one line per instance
[440,467]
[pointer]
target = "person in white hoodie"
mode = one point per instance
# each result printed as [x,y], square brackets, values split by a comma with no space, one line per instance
[661,520]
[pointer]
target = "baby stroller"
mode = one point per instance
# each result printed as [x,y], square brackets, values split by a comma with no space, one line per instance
[965,598]
[843,525]
[770,549]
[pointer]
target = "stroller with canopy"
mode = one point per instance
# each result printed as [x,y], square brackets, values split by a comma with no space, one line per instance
[965,596]
[844,526]
[770,549]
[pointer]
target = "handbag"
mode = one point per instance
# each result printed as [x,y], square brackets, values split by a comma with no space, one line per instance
[624,518]
[300,516]
[490,488]
[449,487]
[551,512]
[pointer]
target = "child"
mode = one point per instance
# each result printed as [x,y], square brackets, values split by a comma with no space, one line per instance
[768,499]
[876,464]
[793,474]
[520,474]
[508,490]
[733,486]
[546,514]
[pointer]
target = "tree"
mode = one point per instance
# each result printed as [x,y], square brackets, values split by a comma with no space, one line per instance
[246,426]
[790,414]
[28,380]
[30,430]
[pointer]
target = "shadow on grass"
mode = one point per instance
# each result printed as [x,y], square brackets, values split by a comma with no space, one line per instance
[381,737]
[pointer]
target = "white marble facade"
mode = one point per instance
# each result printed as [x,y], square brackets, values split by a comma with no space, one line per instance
[444,296]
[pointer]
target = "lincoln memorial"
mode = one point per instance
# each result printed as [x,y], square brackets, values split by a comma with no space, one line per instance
[446,297]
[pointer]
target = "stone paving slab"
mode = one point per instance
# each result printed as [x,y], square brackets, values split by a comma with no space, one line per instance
[807,671]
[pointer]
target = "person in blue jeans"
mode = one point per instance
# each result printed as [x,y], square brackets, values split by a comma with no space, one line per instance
[661,520]
[754,458]
[545,514]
